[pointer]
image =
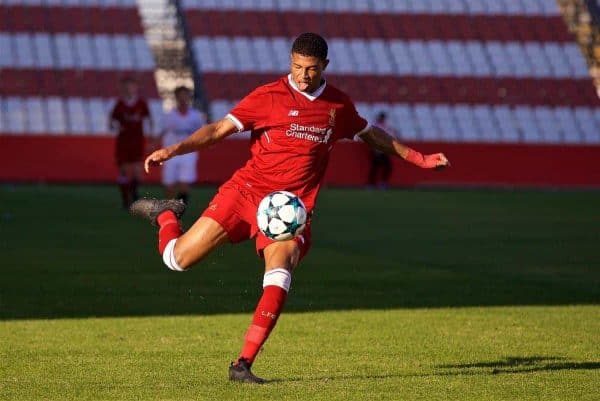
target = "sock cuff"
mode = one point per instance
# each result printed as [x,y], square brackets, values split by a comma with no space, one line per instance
[169,257]
[166,217]
[279,277]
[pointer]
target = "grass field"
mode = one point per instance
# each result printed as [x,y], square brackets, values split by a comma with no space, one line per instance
[406,295]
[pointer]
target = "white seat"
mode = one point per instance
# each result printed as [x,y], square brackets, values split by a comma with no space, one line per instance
[98,116]
[77,117]
[549,126]
[3,127]
[8,56]
[342,55]
[263,51]
[143,57]
[439,57]
[528,124]
[448,128]
[103,52]
[281,53]
[507,125]
[64,46]
[465,121]
[82,46]
[420,54]
[406,124]
[265,4]
[575,60]
[540,65]
[459,58]
[36,121]
[363,60]
[488,127]
[23,48]
[381,57]
[123,52]
[42,44]
[568,125]
[518,59]
[15,116]
[57,121]
[205,54]
[245,58]
[500,59]
[587,124]
[225,54]
[426,121]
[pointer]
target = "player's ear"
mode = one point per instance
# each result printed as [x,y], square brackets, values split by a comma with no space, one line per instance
[325,64]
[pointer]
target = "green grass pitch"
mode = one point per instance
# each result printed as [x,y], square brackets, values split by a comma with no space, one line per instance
[406,295]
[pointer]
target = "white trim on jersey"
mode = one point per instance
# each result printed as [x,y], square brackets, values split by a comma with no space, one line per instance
[238,124]
[310,96]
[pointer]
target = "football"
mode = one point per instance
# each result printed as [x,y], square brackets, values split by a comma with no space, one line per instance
[281,216]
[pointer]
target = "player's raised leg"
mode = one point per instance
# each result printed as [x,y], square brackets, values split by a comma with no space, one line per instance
[179,250]
[280,260]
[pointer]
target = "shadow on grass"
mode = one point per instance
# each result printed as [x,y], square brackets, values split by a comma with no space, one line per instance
[523,365]
[73,253]
[509,365]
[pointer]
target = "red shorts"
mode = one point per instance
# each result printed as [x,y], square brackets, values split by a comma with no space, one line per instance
[234,208]
[129,150]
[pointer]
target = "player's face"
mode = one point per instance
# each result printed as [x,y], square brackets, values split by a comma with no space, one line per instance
[306,71]
[129,89]
[183,98]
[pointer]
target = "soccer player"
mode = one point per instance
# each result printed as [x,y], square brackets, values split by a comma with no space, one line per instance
[127,118]
[179,172]
[381,165]
[294,123]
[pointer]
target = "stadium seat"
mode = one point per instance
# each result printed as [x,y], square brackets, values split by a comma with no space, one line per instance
[36,116]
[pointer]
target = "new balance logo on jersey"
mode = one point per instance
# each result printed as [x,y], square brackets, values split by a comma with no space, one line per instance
[293,113]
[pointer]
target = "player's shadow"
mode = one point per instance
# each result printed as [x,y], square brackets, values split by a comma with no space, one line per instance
[517,364]
[508,365]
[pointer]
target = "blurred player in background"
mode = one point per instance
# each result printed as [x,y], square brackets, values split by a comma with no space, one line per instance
[179,172]
[294,122]
[127,118]
[381,164]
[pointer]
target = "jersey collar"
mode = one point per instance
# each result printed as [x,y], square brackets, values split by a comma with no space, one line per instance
[310,96]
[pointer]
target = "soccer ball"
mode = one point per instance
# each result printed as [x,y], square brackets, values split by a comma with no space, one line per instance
[281,216]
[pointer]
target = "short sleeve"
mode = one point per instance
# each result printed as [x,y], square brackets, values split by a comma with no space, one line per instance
[351,123]
[252,111]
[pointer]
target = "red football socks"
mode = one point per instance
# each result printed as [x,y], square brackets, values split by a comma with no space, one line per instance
[265,317]
[169,229]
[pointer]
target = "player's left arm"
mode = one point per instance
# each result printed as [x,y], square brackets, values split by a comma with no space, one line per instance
[378,139]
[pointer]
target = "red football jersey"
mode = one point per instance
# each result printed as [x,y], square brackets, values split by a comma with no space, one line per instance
[292,135]
[130,117]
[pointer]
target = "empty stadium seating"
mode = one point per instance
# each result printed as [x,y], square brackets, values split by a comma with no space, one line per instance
[61,61]
[445,70]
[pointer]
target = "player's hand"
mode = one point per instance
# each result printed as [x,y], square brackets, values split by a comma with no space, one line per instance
[156,158]
[437,161]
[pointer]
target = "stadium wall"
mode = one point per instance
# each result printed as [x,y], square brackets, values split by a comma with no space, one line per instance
[86,159]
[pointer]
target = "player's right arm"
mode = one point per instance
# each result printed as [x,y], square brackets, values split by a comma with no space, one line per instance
[200,139]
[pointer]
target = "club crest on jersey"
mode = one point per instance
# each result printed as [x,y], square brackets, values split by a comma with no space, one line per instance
[332,117]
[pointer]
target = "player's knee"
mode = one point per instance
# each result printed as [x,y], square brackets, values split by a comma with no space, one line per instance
[279,277]
[173,258]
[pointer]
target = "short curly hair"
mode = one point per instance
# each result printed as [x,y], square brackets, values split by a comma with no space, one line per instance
[311,45]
